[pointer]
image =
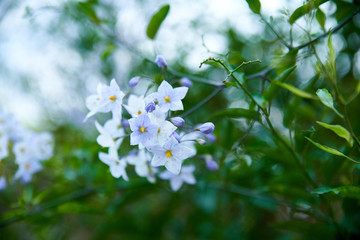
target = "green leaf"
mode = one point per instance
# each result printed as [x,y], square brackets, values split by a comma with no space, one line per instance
[304,9]
[156,21]
[272,91]
[237,113]
[330,150]
[260,100]
[321,18]
[89,11]
[339,130]
[296,91]
[326,98]
[342,191]
[254,5]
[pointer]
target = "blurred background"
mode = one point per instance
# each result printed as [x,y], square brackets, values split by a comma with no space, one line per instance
[54,53]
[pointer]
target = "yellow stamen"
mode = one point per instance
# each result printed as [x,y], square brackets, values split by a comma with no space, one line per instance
[22,149]
[139,112]
[158,130]
[167,99]
[168,154]
[142,129]
[27,166]
[112,98]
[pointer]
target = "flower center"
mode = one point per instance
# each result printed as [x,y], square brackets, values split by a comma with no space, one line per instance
[168,154]
[142,129]
[112,98]
[27,166]
[22,149]
[167,99]
[158,130]
[139,112]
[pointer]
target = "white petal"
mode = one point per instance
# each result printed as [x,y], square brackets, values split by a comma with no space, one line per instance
[176,183]
[105,158]
[142,169]
[116,170]
[173,165]
[176,105]
[182,152]
[180,92]
[105,140]
[158,160]
[188,178]
[165,88]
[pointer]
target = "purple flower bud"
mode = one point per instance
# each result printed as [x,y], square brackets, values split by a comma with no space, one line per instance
[186,82]
[201,141]
[134,81]
[210,163]
[206,128]
[150,107]
[125,123]
[211,138]
[176,136]
[160,61]
[177,121]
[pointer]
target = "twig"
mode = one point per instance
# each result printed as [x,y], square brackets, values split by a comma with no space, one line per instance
[335,29]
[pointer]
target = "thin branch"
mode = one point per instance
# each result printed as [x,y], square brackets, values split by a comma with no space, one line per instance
[335,29]
[275,32]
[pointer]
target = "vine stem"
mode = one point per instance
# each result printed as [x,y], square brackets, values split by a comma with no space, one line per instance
[335,29]
[267,118]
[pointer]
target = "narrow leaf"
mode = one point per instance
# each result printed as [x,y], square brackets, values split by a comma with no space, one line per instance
[304,9]
[321,18]
[339,130]
[296,91]
[326,99]
[330,150]
[254,5]
[342,191]
[156,21]
[271,91]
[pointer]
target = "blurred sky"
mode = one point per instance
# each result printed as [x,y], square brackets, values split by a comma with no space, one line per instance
[28,51]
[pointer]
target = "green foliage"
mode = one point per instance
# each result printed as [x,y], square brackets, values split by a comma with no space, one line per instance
[277,168]
[156,21]
[304,9]
[338,130]
[254,5]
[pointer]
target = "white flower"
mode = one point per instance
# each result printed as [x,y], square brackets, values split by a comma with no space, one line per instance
[171,155]
[141,161]
[165,128]
[111,135]
[117,166]
[135,106]
[169,98]
[4,141]
[2,183]
[108,99]
[27,169]
[43,145]
[143,131]
[176,181]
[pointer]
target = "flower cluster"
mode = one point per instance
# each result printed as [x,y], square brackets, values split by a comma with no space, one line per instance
[157,148]
[28,147]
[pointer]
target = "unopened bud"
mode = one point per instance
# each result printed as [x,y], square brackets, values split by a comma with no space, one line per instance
[211,138]
[177,121]
[210,163]
[206,128]
[160,61]
[134,81]
[125,123]
[176,136]
[201,141]
[150,107]
[186,82]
